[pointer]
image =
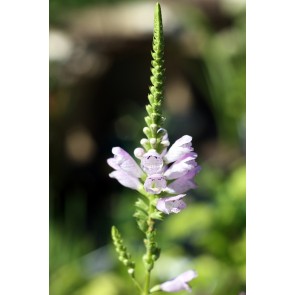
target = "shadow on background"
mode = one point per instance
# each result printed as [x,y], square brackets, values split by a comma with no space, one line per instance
[99,78]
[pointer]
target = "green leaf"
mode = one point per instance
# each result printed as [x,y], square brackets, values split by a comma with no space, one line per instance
[157,215]
[142,224]
[140,214]
[141,204]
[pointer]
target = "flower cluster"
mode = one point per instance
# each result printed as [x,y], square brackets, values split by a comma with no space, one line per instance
[169,174]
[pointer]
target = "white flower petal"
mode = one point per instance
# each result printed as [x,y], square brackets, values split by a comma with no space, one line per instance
[125,162]
[139,152]
[155,183]
[181,167]
[181,147]
[152,162]
[188,275]
[173,286]
[183,183]
[171,204]
[125,179]
[179,283]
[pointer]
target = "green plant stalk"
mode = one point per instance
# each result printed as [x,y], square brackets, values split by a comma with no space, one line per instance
[147,284]
[137,284]
[146,214]
[149,241]
[154,118]
[154,122]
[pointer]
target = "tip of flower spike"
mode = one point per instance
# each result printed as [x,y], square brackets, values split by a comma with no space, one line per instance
[158,14]
[158,11]
[114,230]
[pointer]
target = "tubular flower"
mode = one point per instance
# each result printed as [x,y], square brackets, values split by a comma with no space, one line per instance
[182,166]
[171,204]
[181,147]
[170,172]
[152,162]
[180,282]
[155,183]
[183,183]
[182,170]
[127,172]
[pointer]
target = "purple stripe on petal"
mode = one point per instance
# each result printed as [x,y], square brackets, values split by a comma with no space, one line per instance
[152,162]
[155,183]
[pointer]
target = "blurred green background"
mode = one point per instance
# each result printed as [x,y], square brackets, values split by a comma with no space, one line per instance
[99,78]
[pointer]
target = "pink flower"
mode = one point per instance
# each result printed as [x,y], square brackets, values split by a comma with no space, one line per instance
[180,282]
[127,172]
[181,147]
[177,178]
[171,204]
[125,179]
[182,166]
[182,171]
[155,183]
[152,162]
[183,183]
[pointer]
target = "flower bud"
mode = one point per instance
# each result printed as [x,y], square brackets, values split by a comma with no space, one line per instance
[139,152]
[147,131]
[153,141]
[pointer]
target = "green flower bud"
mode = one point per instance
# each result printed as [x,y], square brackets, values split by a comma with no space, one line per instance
[155,119]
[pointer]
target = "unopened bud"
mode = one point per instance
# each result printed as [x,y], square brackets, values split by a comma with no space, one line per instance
[147,131]
[148,120]
[154,127]
[125,261]
[165,142]
[144,141]
[153,141]
[139,152]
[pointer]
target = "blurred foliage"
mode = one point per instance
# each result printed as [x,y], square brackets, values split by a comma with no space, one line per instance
[209,235]
[58,7]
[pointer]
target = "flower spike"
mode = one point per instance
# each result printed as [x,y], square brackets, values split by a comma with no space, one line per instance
[162,175]
[155,118]
[123,255]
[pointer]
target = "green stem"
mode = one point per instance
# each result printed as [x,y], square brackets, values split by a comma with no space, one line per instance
[149,241]
[147,284]
[137,285]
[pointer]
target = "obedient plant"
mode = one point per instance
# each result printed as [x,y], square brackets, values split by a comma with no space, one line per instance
[161,175]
